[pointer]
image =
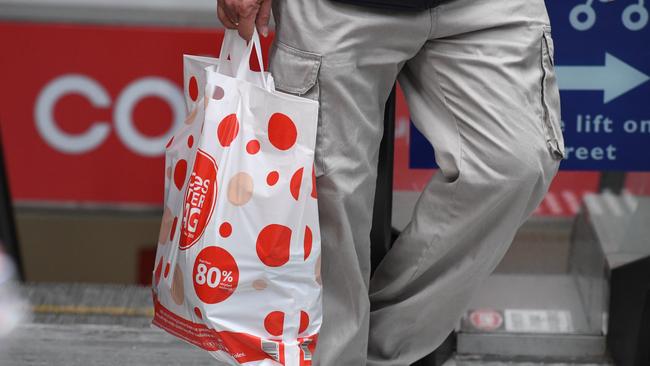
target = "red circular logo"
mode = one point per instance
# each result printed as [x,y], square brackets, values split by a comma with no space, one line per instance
[200,197]
[486,319]
[215,275]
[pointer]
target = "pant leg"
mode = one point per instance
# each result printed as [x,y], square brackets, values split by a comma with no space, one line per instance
[475,91]
[360,52]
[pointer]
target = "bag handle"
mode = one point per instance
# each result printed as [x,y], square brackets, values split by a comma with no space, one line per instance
[240,52]
[233,46]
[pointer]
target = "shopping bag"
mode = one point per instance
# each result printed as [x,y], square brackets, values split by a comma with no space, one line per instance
[237,270]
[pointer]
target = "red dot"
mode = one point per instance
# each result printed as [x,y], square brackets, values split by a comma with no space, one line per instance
[282,131]
[197,312]
[215,275]
[173,230]
[170,142]
[308,241]
[252,147]
[180,171]
[194,89]
[166,269]
[304,322]
[225,229]
[227,130]
[294,185]
[272,178]
[314,194]
[158,272]
[190,141]
[273,244]
[274,323]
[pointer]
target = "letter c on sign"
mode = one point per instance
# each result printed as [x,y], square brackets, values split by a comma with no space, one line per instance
[129,98]
[46,125]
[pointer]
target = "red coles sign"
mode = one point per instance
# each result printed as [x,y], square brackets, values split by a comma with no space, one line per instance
[86,110]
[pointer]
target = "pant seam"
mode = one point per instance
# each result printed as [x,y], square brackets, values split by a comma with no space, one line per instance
[433,16]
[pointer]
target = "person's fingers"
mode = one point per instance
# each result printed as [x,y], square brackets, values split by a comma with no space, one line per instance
[232,11]
[263,17]
[246,23]
[240,14]
[225,19]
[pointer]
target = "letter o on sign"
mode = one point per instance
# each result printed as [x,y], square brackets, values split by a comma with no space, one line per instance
[129,98]
[96,134]
[47,127]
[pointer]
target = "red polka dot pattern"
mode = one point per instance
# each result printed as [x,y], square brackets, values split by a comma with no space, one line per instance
[180,172]
[308,242]
[204,281]
[253,147]
[194,89]
[282,131]
[225,229]
[304,322]
[295,183]
[273,245]
[272,178]
[274,323]
[227,130]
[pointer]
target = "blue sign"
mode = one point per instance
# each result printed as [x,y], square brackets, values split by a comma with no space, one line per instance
[602,60]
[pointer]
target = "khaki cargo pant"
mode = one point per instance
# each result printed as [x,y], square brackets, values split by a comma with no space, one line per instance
[478,76]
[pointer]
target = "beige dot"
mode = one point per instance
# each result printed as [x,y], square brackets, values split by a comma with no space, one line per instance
[190,118]
[317,271]
[240,189]
[218,93]
[178,292]
[260,284]
[165,226]
[168,173]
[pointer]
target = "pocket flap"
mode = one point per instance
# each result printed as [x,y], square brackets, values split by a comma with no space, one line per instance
[294,71]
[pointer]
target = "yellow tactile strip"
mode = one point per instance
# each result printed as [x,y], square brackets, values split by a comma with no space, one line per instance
[92,310]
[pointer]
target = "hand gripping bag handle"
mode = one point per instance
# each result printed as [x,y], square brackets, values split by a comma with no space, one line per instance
[240,54]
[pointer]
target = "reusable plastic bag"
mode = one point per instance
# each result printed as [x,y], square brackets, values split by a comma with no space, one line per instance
[237,268]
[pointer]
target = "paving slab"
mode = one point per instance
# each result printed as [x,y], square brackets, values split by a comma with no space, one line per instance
[98,345]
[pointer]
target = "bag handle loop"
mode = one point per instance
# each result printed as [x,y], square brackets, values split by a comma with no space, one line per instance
[240,52]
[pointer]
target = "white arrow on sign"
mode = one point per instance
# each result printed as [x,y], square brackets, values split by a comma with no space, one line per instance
[615,78]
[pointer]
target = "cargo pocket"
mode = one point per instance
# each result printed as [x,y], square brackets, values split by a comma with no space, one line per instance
[551,98]
[296,72]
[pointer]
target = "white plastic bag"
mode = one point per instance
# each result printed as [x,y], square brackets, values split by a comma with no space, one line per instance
[238,259]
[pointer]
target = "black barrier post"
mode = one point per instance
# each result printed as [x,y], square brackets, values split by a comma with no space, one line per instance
[612,181]
[8,237]
[380,234]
